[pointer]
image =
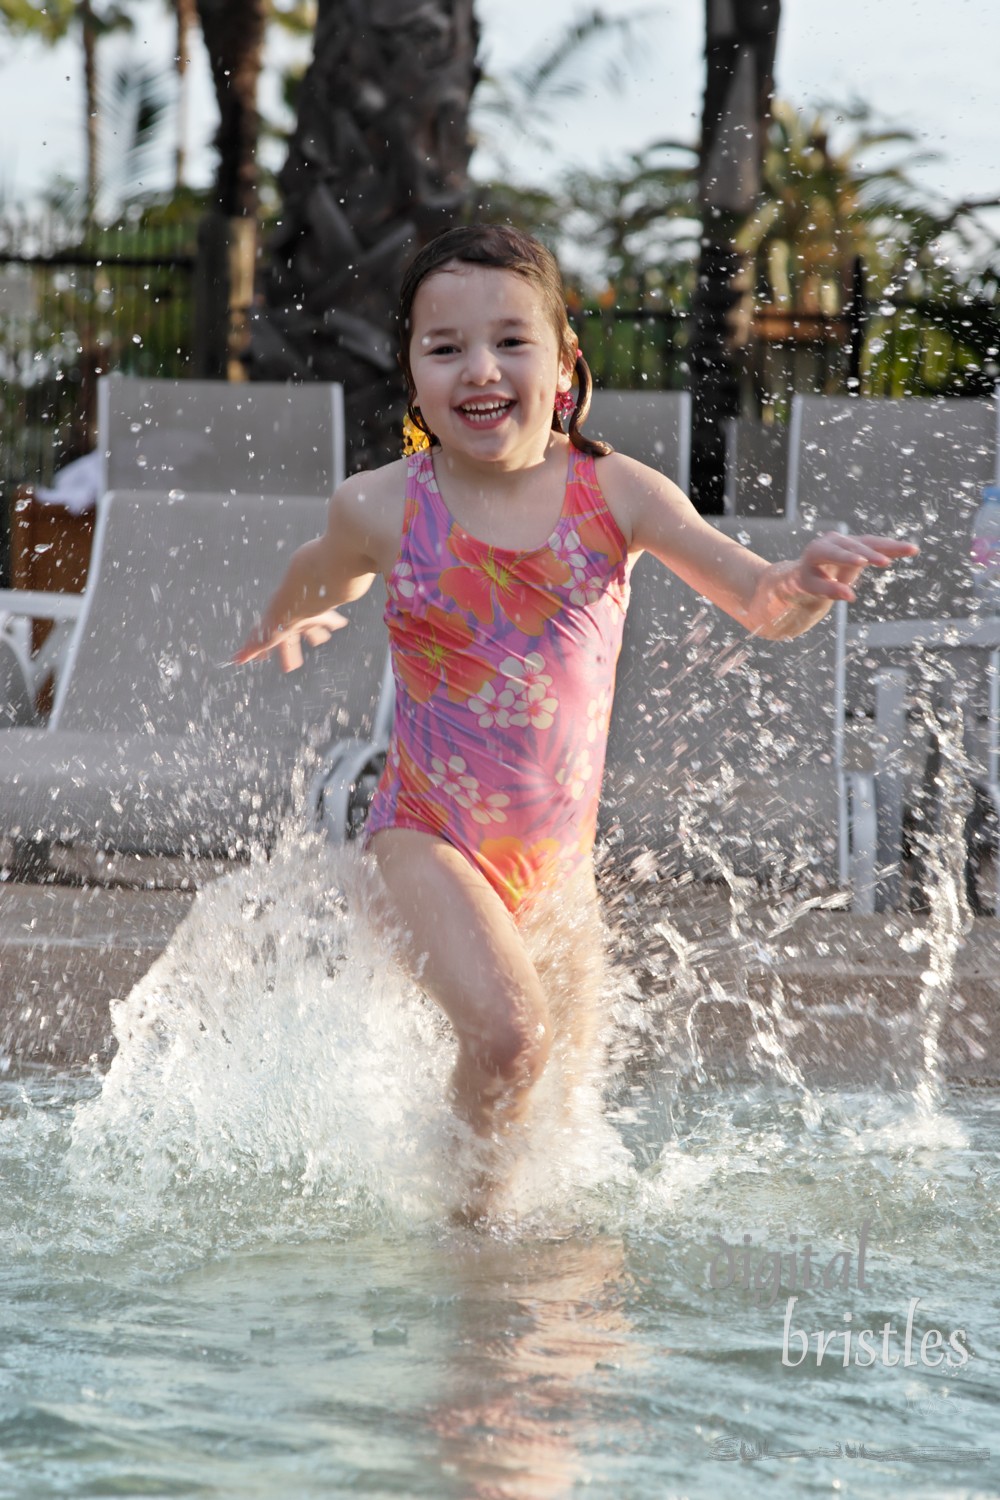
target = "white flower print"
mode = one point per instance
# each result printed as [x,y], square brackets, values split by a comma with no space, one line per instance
[576,774]
[586,590]
[531,687]
[587,587]
[452,777]
[598,714]
[492,708]
[402,580]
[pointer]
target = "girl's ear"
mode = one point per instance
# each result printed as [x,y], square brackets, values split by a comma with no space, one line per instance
[567,368]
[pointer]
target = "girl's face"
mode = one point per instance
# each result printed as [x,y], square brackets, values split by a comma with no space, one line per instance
[486,363]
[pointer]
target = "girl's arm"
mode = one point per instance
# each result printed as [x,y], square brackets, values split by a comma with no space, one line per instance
[333,569]
[773,600]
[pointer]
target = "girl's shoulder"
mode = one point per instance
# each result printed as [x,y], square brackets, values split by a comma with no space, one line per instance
[369,507]
[629,487]
[372,485]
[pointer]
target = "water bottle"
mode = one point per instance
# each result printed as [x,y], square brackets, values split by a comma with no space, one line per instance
[985,553]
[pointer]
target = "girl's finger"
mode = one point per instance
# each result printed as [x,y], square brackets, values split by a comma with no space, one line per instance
[317,635]
[853,551]
[252,650]
[890,545]
[820,586]
[290,652]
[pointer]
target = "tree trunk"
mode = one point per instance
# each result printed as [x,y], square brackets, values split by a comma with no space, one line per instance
[741,37]
[377,165]
[88,30]
[234,36]
[186,13]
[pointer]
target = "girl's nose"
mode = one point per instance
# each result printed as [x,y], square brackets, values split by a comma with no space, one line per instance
[481,365]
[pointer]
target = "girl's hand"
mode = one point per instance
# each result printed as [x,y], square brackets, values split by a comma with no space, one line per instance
[832,564]
[287,639]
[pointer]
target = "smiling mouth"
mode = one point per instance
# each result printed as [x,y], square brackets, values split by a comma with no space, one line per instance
[482,413]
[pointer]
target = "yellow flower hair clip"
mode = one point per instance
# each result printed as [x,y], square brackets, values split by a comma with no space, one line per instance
[415,439]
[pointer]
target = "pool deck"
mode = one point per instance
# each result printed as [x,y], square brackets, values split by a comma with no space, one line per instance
[845,993]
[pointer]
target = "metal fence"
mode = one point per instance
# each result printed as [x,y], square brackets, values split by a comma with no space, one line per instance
[641,348]
[72,306]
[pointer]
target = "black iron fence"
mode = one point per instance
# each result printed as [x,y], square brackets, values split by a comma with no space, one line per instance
[634,348]
[899,347]
[73,305]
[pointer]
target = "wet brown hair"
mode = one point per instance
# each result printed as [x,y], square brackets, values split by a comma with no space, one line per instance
[505,249]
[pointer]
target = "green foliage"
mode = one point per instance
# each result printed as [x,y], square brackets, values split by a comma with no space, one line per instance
[627,234]
[639,222]
[823,206]
[53,20]
[298,17]
[50,22]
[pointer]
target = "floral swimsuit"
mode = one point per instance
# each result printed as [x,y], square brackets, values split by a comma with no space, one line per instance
[504,664]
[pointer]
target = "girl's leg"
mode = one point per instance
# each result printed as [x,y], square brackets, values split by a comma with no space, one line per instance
[565,937]
[469,955]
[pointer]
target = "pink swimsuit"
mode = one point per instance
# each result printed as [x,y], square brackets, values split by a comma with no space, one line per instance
[504,664]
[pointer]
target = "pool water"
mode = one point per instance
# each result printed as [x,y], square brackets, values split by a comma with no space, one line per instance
[230,1268]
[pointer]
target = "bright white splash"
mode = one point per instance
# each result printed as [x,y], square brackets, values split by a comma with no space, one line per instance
[277,1044]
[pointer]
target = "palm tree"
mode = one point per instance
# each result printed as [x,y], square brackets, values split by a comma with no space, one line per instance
[820,208]
[227,236]
[186,15]
[377,165]
[53,21]
[741,37]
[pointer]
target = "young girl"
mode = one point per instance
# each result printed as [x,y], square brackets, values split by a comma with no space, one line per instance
[506,545]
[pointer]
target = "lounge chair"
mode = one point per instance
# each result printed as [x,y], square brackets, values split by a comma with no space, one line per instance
[155,744]
[905,467]
[727,752]
[17,701]
[260,438]
[756,468]
[651,426]
[913,467]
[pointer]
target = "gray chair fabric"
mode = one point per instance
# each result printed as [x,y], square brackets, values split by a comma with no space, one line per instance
[201,435]
[756,468]
[723,753]
[16,698]
[913,467]
[156,744]
[653,427]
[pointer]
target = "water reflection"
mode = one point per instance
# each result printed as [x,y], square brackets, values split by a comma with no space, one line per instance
[541,1330]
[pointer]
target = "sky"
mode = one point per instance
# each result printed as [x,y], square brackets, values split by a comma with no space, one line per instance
[924,65]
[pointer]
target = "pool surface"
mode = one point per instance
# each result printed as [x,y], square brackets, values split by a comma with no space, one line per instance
[229,1268]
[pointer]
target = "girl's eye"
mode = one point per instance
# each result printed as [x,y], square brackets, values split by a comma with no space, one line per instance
[443,349]
[512,342]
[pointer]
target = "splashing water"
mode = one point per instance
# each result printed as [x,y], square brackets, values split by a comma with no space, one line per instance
[230,1266]
[277,1043]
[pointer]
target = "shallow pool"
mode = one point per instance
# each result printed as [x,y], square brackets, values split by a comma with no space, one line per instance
[228,1267]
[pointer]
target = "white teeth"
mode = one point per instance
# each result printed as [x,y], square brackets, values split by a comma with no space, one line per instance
[494,410]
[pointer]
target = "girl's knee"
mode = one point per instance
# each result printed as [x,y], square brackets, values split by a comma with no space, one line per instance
[515,1050]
